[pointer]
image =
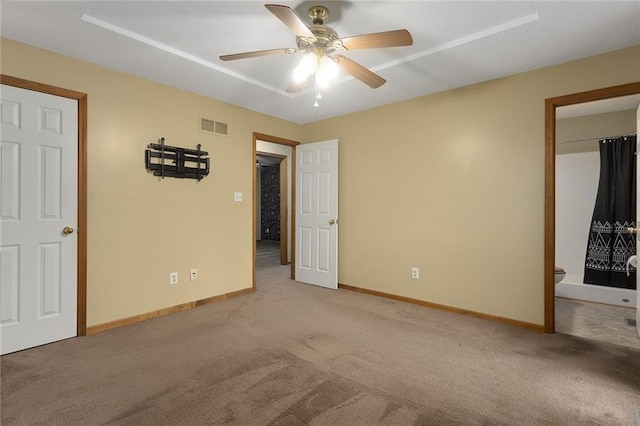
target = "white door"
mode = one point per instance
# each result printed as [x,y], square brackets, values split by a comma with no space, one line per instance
[637,216]
[38,200]
[317,213]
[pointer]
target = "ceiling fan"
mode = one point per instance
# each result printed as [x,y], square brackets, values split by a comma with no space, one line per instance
[320,43]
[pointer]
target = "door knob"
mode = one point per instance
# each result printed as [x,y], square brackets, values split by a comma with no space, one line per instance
[633,230]
[333,222]
[67,230]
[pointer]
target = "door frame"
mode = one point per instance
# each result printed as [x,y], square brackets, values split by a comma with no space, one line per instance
[281,141]
[550,183]
[81,262]
[284,201]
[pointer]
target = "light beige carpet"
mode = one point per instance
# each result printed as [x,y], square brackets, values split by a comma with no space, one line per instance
[293,354]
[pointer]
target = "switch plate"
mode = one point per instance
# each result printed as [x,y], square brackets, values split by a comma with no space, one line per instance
[415,273]
[194,274]
[173,278]
[237,197]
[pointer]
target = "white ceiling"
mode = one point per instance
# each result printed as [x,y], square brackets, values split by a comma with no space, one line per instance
[455,44]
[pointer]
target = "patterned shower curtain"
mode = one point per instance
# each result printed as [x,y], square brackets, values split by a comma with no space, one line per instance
[610,244]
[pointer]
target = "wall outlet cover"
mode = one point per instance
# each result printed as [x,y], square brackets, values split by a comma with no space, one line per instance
[415,273]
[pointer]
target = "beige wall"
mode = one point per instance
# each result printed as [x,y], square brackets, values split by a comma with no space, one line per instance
[140,228]
[581,134]
[453,183]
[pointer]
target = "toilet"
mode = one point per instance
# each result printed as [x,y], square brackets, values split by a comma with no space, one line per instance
[560,273]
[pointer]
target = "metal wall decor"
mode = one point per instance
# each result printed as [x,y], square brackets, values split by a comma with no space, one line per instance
[171,161]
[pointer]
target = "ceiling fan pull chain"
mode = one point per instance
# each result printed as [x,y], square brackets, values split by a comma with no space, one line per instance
[318,96]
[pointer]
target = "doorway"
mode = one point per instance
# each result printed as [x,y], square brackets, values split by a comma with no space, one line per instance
[285,153]
[272,203]
[551,105]
[596,312]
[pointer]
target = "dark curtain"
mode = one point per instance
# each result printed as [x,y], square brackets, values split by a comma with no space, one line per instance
[610,244]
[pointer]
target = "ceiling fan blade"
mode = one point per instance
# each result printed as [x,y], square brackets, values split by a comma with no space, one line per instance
[384,39]
[290,19]
[353,68]
[234,56]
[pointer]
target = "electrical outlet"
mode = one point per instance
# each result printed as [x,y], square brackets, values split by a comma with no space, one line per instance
[194,274]
[237,197]
[173,278]
[415,273]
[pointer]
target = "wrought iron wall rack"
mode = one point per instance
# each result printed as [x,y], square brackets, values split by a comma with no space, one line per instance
[172,161]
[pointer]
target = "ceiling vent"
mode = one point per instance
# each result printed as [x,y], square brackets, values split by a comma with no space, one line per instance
[211,126]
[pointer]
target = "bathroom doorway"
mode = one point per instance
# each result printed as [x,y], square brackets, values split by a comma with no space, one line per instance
[597,312]
[558,109]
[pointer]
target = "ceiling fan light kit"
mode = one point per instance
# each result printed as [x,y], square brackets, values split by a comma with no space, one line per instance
[320,41]
[327,70]
[305,68]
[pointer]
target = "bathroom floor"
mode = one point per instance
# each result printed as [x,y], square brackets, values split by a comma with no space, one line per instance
[596,321]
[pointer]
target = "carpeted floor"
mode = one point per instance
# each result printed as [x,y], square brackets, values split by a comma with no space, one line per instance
[293,354]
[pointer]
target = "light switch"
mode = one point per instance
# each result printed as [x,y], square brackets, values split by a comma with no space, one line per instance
[237,197]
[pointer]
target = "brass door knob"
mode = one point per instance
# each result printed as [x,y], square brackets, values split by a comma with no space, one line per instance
[67,230]
[633,230]
[332,222]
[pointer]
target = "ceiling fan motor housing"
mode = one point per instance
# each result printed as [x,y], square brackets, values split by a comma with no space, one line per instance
[326,40]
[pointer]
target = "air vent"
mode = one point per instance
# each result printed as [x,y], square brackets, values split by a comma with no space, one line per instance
[211,126]
[221,128]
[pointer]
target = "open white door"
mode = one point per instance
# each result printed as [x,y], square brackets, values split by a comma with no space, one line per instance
[317,213]
[38,218]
